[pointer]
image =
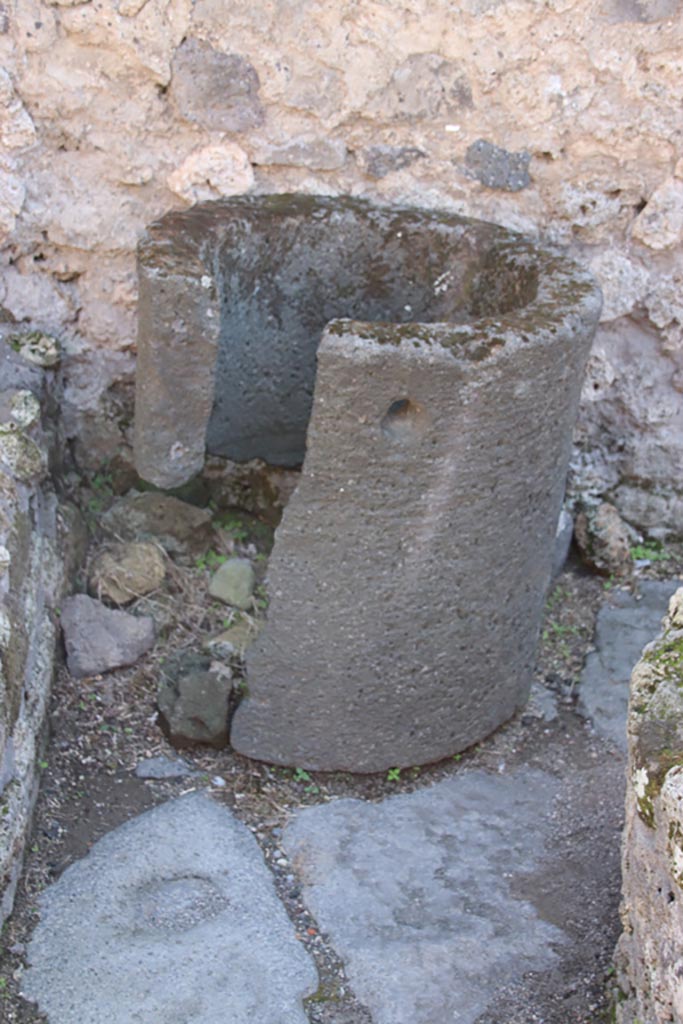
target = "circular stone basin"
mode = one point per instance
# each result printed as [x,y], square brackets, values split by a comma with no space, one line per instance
[426,369]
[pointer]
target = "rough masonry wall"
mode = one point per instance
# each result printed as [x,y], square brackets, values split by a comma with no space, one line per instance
[560,118]
[649,981]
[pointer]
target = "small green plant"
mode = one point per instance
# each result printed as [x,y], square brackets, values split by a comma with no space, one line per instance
[300,775]
[3,984]
[457,757]
[556,629]
[42,765]
[559,594]
[210,560]
[102,482]
[393,775]
[652,551]
[235,527]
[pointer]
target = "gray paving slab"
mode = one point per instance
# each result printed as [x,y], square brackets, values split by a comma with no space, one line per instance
[420,895]
[170,918]
[623,628]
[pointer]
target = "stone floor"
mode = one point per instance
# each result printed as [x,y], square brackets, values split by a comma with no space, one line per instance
[471,899]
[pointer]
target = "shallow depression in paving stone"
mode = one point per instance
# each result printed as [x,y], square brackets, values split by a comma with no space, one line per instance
[171,917]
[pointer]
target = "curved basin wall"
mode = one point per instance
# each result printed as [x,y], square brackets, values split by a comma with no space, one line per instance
[408,574]
[286,270]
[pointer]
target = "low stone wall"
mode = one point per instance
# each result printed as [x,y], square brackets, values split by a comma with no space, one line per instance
[34,531]
[649,954]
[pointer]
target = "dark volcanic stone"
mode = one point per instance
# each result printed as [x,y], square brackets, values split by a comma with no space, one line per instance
[194,701]
[497,168]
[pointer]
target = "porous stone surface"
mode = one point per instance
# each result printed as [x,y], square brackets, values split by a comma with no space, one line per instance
[496,167]
[37,538]
[233,583]
[110,99]
[179,527]
[98,638]
[421,900]
[624,626]
[648,955]
[193,700]
[218,90]
[179,903]
[122,572]
[387,561]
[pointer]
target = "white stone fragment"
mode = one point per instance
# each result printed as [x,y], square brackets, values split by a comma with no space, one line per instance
[624,284]
[25,409]
[129,8]
[222,169]
[5,629]
[660,224]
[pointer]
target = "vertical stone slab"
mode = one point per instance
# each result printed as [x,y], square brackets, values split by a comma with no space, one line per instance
[178,332]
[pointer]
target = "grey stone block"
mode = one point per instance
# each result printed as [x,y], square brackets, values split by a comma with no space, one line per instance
[447,383]
[233,583]
[217,90]
[422,900]
[194,700]
[497,168]
[98,639]
[171,917]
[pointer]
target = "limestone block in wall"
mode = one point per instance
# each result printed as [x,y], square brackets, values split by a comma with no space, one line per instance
[31,585]
[219,170]
[651,946]
[660,224]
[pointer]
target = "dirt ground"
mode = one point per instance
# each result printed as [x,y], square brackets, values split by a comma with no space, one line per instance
[101,728]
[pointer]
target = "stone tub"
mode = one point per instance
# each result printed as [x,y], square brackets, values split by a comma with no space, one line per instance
[426,370]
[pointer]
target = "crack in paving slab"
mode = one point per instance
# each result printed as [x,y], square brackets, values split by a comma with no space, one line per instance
[172,917]
[416,893]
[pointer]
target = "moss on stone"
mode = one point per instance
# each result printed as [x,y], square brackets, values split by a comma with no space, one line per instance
[657,718]
[21,454]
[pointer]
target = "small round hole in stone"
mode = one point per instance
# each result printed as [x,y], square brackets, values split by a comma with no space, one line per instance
[402,420]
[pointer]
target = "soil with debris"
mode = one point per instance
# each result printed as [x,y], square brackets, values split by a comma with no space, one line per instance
[103,727]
